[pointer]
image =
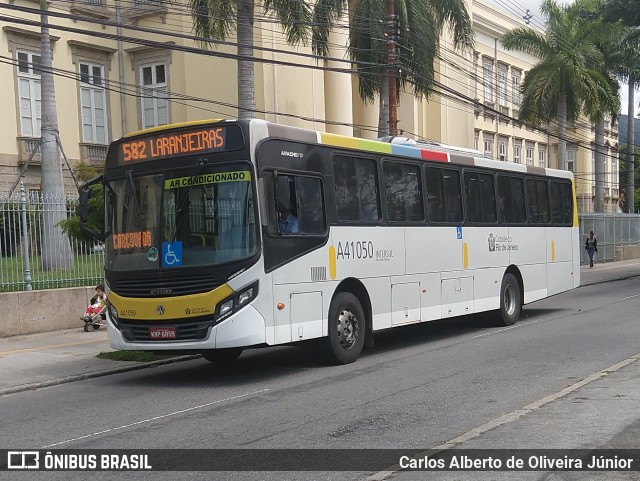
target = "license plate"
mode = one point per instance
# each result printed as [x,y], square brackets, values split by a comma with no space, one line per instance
[162,332]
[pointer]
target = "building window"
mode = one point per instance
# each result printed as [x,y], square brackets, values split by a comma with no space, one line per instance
[502,85]
[571,160]
[476,140]
[155,106]
[29,91]
[487,69]
[93,104]
[529,153]
[488,146]
[516,77]
[502,148]
[542,155]
[517,145]
[614,170]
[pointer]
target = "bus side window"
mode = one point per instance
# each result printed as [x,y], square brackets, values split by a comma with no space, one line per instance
[504,195]
[435,194]
[299,206]
[356,189]
[453,195]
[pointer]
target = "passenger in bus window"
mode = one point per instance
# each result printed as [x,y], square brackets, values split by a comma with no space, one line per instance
[288,222]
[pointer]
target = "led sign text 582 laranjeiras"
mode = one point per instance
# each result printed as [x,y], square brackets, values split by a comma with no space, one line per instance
[174,144]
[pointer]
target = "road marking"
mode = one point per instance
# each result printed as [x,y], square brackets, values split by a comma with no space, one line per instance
[155,418]
[51,346]
[629,297]
[507,418]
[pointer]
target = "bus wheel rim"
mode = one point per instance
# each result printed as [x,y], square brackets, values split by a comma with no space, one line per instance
[509,300]
[348,329]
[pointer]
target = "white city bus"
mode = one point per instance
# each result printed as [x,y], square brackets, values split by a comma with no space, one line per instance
[223,235]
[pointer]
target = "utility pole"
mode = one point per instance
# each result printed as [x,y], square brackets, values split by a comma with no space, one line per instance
[392,62]
[55,248]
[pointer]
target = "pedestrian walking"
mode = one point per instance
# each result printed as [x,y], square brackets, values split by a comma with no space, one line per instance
[591,245]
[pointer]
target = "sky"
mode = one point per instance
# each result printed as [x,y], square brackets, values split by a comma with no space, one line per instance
[519,8]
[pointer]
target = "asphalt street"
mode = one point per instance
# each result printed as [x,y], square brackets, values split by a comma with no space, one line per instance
[420,387]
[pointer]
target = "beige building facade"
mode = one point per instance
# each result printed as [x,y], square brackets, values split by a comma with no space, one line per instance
[157,73]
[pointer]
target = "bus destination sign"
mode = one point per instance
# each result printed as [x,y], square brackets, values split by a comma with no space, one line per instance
[173,144]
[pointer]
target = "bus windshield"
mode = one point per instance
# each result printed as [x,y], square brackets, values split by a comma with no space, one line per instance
[184,217]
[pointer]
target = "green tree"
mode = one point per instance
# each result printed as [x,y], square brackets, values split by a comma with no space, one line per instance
[217,19]
[632,201]
[569,72]
[71,225]
[421,22]
[626,11]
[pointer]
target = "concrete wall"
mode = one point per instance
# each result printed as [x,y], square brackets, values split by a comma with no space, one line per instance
[28,312]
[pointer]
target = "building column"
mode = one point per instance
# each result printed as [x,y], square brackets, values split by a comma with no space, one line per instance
[337,85]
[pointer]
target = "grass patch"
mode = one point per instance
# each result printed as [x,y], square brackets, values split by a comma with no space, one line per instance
[138,356]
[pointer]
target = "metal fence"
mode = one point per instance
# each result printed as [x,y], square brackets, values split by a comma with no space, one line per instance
[612,231]
[23,236]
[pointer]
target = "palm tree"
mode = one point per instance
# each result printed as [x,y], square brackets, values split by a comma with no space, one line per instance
[626,65]
[421,23]
[216,19]
[567,75]
[55,248]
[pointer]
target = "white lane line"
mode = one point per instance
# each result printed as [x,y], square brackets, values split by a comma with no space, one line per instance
[629,297]
[512,416]
[155,418]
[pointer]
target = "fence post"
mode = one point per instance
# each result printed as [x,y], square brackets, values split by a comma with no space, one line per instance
[25,237]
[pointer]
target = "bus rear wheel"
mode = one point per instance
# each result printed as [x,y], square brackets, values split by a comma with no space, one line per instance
[346,329]
[221,356]
[510,300]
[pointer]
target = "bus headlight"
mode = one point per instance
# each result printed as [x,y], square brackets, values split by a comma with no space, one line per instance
[245,296]
[226,307]
[236,301]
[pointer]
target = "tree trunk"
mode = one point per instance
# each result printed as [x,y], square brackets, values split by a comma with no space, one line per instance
[55,248]
[383,118]
[599,167]
[629,204]
[246,88]
[562,132]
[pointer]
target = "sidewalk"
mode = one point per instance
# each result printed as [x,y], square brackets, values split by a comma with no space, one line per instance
[46,359]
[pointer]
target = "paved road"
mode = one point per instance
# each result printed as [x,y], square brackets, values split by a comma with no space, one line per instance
[421,387]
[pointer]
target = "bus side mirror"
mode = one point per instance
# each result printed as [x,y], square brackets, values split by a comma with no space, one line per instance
[85,195]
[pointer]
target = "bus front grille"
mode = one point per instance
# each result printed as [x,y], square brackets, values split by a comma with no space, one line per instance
[173,286]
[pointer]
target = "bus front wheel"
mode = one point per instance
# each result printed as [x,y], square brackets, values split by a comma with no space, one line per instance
[346,329]
[510,300]
[222,356]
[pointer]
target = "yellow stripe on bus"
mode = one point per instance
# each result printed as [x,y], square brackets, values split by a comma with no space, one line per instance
[553,251]
[465,255]
[176,307]
[575,207]
[332,262]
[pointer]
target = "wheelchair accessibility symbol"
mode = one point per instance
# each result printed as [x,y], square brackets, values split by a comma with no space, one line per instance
[172,254]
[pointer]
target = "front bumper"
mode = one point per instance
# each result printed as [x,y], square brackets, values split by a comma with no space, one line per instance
[244,328]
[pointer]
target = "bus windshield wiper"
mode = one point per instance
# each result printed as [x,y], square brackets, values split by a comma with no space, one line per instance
[196,170]
[132,191]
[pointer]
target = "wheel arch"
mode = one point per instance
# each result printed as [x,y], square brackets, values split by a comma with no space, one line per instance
[357,288]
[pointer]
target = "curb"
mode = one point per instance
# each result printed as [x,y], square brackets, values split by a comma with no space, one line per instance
[605,281]
[91,375]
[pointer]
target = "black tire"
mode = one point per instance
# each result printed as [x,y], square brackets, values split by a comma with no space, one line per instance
[88,327]
[96,326]
[222,356]
[510,300]
[347,328]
